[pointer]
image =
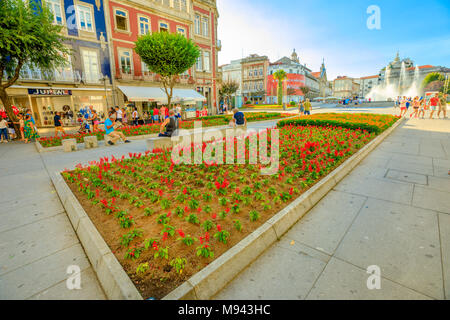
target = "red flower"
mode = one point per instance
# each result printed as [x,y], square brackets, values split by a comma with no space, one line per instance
[181,233]
[214,215]
[219,228]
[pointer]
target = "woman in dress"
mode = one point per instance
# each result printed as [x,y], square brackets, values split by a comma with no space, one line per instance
[29,131]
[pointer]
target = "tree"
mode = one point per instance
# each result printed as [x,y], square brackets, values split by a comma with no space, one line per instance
[433,76]
[167,54]
[228,88]
[280,75]
[27,36]
[305,90]
[290,92]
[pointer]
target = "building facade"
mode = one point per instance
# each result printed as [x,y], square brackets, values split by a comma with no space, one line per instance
[86,78]
[233,71]
[366,84]
[254,80]
[295,79]
[344,87]
[195,19]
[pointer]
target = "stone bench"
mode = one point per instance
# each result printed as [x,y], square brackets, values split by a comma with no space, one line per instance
[90,142]
[106,138]
[69,145]
[159,143]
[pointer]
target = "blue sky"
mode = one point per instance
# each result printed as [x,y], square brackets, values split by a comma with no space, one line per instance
[336,31]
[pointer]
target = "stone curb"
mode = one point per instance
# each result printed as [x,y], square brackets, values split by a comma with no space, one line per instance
[114,280]
[211,279]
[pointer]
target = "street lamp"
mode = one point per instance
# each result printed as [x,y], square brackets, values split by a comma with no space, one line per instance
[105,79]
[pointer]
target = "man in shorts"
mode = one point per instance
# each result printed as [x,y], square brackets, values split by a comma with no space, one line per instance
[434,103]
[443,105]
[110,131]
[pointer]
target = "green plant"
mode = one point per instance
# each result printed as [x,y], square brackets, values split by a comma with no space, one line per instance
[130,236]
[142,268]
[148,212]
[169,229]
[163,218]
[178,264]
[221,235]
[133,253]
[126,221]
[208,225]
[237,225]
[162,253]
[254,215]
[193,218]
[205,251]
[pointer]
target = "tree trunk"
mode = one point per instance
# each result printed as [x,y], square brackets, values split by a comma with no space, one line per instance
[9,111]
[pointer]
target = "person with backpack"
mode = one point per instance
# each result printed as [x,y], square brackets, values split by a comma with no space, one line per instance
[169,126]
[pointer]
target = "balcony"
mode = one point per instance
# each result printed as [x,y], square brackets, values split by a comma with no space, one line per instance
[126,74]
[27,74]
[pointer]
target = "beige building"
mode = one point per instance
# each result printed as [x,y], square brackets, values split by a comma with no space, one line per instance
[344,87]
[254,80]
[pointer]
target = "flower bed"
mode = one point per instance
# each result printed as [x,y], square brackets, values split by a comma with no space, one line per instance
[264,106]
[154,128]
[165,222]
[371,122]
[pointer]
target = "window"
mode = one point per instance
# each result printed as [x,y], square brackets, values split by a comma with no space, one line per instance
[199,65]
[206,61]
[121,20]
[163,27]
[181,31]
[90,62]
[125,61]
[205,27]
[183,5]
[85,18]
[145,68]
[55,7]
[144,25]
[176,4]
[197,24]
[261,71]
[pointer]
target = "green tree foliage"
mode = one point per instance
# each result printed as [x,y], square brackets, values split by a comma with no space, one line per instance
[434,76]
[228,88]
[27,36]
[280,75]
[167,54]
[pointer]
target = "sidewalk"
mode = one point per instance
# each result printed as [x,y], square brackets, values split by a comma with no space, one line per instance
[37,241]
[393,211]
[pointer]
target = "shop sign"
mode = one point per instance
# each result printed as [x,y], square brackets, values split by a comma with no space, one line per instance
[50,92]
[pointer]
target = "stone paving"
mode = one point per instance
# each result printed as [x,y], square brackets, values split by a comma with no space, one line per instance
[393,210]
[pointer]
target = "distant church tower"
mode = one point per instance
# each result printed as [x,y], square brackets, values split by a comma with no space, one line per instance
[323,81]
[294,57]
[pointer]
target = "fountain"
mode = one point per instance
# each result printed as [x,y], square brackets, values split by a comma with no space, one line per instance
[407,84]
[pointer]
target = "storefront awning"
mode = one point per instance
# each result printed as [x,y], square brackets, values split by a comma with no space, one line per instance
[136,94]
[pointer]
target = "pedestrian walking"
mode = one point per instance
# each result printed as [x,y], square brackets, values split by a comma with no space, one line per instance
[58,124]
[135,117]
[4,130]
[308,107]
